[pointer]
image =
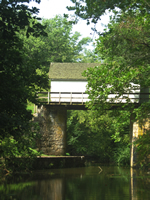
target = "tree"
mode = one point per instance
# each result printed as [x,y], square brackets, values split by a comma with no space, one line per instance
[89,134]
[92,134]
[124,48]
[60,45]
[89,56]
[125,51]
[18,76]
[94,9]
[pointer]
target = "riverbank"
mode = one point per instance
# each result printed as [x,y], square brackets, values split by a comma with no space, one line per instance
[48,162]
[55,162]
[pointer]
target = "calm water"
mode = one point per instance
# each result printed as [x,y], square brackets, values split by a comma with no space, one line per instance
[89,183]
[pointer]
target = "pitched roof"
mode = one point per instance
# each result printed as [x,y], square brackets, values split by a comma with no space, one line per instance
[69,71]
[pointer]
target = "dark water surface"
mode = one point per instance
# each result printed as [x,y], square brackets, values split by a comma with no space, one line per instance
[89,183]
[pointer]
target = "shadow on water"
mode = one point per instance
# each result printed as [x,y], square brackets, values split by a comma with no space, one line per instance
[88,183]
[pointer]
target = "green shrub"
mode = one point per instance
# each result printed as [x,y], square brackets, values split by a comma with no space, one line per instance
[143,150]
[122,155]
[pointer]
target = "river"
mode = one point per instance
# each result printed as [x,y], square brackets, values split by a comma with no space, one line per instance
[86,183]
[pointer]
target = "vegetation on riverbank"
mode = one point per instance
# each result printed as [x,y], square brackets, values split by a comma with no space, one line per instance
[91,134]
[28,45]
[124,48]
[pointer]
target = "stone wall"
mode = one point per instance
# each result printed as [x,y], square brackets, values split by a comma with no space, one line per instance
[52,122]
[136,129]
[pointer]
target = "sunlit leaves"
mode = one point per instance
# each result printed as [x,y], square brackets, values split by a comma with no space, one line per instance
[94,9]
[143,150]
[18,75]
[61,45]
[125,51]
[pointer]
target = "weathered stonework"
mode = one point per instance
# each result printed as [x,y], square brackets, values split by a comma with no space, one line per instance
[136,130]
[52,122]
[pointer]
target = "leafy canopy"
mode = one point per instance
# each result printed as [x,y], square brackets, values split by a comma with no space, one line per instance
[124,49]
[60,44]
[94,9]
[18,75]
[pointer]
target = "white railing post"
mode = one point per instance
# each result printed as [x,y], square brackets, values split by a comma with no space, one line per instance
[59,97]
[70,98]
[48,97]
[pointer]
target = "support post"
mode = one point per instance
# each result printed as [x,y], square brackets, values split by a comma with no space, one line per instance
[135,132]
[48,97]
[70,98]
[131,144]
[53,130]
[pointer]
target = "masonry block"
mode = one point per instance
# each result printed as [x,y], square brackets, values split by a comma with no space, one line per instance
[136,129]
[52,121]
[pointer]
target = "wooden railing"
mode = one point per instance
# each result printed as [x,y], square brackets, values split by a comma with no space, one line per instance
[63,97]
[82,97]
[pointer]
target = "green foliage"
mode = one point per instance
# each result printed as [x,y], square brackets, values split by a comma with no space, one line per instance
[89,56]
[19,78]
[121,155]
[27,46]
[94,9]
[92,134]
[30,106]
[143,150]
[124,49]
[12,148]
[60,44]
[19,153]
[67,154]
[9,147]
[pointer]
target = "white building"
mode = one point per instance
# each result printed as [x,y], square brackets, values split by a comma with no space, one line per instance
[68,85]
[67,82]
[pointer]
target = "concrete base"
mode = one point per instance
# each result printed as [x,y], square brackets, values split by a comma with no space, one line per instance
[50,162]
[47,162]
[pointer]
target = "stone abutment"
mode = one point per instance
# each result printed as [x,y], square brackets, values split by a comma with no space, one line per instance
[52,122]
[136,130]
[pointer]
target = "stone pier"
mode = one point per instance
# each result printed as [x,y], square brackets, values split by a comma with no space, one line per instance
[136,130]
[52,121]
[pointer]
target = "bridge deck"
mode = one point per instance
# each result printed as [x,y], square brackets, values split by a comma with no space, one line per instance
[80,98]
[77,100]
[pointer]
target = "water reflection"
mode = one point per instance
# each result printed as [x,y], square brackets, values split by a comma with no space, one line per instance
[50,189]
[133,187]
[139,185]
[80,184]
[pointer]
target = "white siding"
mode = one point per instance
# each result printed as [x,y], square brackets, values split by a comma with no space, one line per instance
[68,86]
[80,86]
